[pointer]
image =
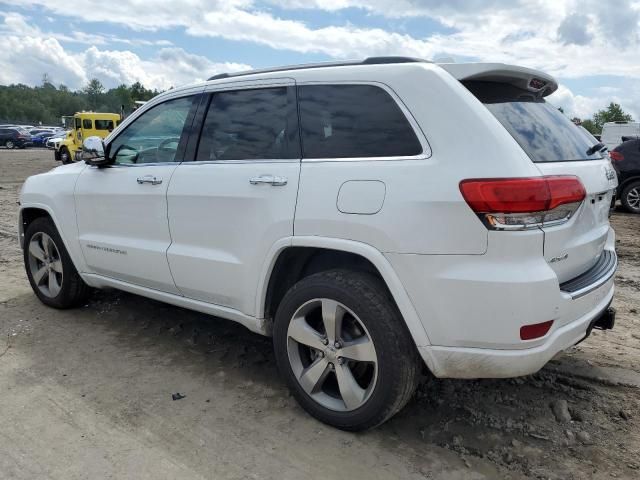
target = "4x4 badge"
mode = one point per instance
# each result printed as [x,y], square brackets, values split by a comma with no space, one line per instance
[610,174]
[559,258]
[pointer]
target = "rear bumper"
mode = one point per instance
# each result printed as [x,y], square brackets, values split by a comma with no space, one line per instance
[472,307]
[460,362]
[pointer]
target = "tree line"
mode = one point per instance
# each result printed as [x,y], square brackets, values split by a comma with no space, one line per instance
[613,113]
[47,103]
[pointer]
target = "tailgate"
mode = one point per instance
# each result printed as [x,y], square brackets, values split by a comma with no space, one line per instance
[557,147]
[574,247]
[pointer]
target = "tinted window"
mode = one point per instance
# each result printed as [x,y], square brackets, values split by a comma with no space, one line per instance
[246,125]
[341,121]
[78,123]
[86,123]
[542,131]
[104,124]
[154,136]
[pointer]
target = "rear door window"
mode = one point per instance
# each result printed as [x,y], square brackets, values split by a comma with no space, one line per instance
[253,124]
[352,121]
[542,131]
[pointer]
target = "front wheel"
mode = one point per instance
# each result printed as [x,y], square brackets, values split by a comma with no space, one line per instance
[52,275]
[631,197]
[344,350]
[65,156]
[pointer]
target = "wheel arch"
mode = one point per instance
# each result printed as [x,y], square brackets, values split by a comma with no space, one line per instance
[297,257]
[627,181]
[30,212]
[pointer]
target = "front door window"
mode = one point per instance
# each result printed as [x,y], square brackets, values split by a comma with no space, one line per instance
[154,136]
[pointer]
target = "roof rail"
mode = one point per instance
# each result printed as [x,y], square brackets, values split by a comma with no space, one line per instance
[304,66]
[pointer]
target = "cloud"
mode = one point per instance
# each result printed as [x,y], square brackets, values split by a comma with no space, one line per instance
[582,106]
[487,30]
[569,39]
[573,29]
[618,21]
[28,53]
[170,67]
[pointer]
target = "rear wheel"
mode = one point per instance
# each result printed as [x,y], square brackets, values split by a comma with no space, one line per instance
[52,275]
[10,145]
[631,197]
[342,346]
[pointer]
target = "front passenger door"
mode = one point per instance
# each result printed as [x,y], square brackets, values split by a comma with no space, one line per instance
[122,209]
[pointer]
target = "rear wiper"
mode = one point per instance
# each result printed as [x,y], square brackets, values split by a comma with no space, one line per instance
[598,147]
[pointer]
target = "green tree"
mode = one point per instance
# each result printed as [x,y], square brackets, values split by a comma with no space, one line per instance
[47,103]
[613,113]
[94,91]
[589,125]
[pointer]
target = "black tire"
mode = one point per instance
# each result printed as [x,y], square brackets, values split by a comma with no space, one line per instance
[10,144]
[73,291]
[630,197]
[65,156]
[398,364]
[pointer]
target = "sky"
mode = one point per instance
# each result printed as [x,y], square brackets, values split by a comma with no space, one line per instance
[590,46]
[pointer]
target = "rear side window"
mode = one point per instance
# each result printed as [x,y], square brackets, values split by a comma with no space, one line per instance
[86,123]
[247,125]
[542,131]
[350,121]
[104,124]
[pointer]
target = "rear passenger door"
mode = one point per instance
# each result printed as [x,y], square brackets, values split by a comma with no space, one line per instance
[237,198]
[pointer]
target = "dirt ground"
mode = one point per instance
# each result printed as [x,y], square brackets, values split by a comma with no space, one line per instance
[87,393]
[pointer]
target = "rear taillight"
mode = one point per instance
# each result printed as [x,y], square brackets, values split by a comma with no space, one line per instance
[616,156]
[521,203]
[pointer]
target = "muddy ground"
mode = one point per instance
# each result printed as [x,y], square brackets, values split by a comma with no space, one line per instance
[87,393]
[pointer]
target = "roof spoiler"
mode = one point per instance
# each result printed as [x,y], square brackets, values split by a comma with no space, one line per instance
[525,78]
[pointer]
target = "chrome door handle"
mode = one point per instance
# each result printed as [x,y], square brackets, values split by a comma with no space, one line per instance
[149,179]
[269,179]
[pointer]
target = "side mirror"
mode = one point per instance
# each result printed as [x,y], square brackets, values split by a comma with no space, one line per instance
[93,152]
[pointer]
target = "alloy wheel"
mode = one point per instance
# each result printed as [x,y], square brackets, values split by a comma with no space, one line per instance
[332,355]
[633,198]
[9,144]
[45,264]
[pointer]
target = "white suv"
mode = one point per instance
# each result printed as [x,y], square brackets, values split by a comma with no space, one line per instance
[374,217]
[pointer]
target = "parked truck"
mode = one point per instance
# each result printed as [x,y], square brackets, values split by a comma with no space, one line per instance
[81,126]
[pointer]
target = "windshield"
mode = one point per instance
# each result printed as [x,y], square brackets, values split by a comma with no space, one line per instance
[542,131]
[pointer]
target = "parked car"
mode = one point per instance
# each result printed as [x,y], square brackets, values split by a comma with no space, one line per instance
[35,131]
[335,208]
[53,143]
[40,139]
[612,132]
[14,138]
[626,161]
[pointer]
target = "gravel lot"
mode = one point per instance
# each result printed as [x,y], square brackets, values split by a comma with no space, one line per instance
[87,393]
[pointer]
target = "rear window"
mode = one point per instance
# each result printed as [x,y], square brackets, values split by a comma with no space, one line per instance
[350,121]
[542,131]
